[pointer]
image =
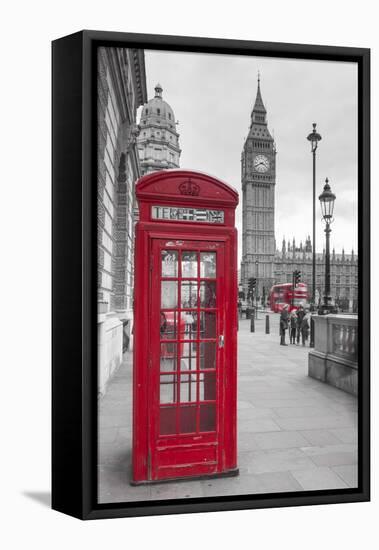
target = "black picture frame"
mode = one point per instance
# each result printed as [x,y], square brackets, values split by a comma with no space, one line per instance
[74,396]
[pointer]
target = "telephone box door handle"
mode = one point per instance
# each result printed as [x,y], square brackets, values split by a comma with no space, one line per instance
[221,341]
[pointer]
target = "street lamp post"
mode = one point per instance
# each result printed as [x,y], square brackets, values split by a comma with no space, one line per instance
[314,138]
[327,199]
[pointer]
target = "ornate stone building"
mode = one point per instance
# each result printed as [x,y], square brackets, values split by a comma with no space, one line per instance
[258,200]
[158,141]
[121,89]
[260,259]
[343,271]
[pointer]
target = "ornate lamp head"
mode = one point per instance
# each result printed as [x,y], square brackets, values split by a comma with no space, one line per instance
[327,199]
[314,137]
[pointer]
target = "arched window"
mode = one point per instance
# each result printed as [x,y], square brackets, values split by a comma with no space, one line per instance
[158,111]
[146,111]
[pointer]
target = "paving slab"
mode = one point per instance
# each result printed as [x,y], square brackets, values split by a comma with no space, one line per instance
[316,479]
[349,473]
[314,422]
[302,412]
[333,455]
[346,435]
[320,437]
[278,461]
[258,425]
[274,482]
[279,440]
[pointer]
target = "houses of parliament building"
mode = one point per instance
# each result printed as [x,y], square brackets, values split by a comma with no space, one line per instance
[261,258]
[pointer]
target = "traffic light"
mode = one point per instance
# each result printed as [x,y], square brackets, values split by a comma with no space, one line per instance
[251,286]
[296,277]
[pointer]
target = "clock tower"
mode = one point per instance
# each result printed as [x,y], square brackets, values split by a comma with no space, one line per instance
[258,201]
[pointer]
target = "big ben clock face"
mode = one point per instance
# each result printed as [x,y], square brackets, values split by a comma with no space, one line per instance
[261,163]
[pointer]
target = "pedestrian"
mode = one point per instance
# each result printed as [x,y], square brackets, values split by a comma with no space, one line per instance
[283,325]
[293,326]
[305,326]
[300,314]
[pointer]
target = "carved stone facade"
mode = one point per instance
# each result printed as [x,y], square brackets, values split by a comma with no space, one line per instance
[158,141]
[258,200]
[121,88]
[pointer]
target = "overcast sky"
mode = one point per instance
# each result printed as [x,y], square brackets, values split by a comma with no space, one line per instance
[212,97]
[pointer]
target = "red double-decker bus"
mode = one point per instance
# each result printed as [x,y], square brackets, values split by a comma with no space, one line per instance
[284,293]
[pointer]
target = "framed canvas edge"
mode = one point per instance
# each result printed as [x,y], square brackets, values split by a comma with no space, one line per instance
[84,497]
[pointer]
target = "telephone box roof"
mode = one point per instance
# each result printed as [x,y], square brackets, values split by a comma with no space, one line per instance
[188,185]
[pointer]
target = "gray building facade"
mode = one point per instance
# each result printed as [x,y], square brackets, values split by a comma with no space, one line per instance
[121,89]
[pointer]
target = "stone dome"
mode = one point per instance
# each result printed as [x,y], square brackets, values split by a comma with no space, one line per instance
[157,111]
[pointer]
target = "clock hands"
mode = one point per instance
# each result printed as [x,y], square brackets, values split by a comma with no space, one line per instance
[261,164]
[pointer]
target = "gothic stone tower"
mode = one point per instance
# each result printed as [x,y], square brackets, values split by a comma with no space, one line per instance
[258,202]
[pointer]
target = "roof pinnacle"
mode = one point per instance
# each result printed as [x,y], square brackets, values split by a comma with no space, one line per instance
[158,90]
[259,106]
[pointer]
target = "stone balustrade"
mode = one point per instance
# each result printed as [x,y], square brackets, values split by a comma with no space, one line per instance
[334,359]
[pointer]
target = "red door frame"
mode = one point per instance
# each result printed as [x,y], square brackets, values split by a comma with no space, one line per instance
[147,231]
[198,452]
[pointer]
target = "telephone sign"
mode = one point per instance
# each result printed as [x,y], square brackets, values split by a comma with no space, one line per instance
[187,214]
[185,323]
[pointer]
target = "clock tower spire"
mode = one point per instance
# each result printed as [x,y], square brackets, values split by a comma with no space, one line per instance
[258,170]
[258,114]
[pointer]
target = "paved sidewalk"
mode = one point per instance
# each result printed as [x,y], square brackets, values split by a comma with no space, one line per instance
[294,433]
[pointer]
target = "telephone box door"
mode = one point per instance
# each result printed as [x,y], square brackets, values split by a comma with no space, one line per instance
[187,339]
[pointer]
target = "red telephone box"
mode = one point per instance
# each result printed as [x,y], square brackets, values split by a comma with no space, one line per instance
[185,328]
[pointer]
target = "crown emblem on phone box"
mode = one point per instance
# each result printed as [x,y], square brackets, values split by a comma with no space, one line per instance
[189,188]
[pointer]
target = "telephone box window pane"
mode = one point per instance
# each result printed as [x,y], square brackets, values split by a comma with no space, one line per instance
[168,328]
[188,358]
[188,296]
[188,325]
[208,264]
[169,263]
[207,386]
[208,294]
[187,388]
[189,264]
[167,388]
[207,355]
[167,420]
[187,419]
[169,294]
[207,324]
[208,417]
[168,357]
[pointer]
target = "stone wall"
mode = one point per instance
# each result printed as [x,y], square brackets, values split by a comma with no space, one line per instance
[334,359]
[110,336]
